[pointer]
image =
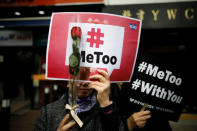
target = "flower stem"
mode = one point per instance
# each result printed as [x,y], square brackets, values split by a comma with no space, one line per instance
[72,87]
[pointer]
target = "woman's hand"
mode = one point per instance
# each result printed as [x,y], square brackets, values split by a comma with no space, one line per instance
[64,125]
[102,86]
[138,119]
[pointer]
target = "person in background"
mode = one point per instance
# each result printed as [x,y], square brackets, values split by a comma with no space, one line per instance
[96,111]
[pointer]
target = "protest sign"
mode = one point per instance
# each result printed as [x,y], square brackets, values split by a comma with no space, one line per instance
[109,42]
[155,83]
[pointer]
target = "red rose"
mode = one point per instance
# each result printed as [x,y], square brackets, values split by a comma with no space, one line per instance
[76,32]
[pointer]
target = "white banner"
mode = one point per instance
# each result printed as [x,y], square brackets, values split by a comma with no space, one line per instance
[106,54]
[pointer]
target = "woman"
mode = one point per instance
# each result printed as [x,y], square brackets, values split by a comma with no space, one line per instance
[97,112]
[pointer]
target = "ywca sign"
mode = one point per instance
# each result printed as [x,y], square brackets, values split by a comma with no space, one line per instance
[159,15]
[108,41]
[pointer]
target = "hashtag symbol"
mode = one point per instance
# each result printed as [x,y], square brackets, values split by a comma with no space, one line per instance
[142,67]
[95,37]
[136,84]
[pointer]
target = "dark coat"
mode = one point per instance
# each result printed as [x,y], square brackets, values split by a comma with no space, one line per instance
[97,119]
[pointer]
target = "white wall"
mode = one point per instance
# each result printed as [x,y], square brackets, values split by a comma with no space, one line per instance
[124,2]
